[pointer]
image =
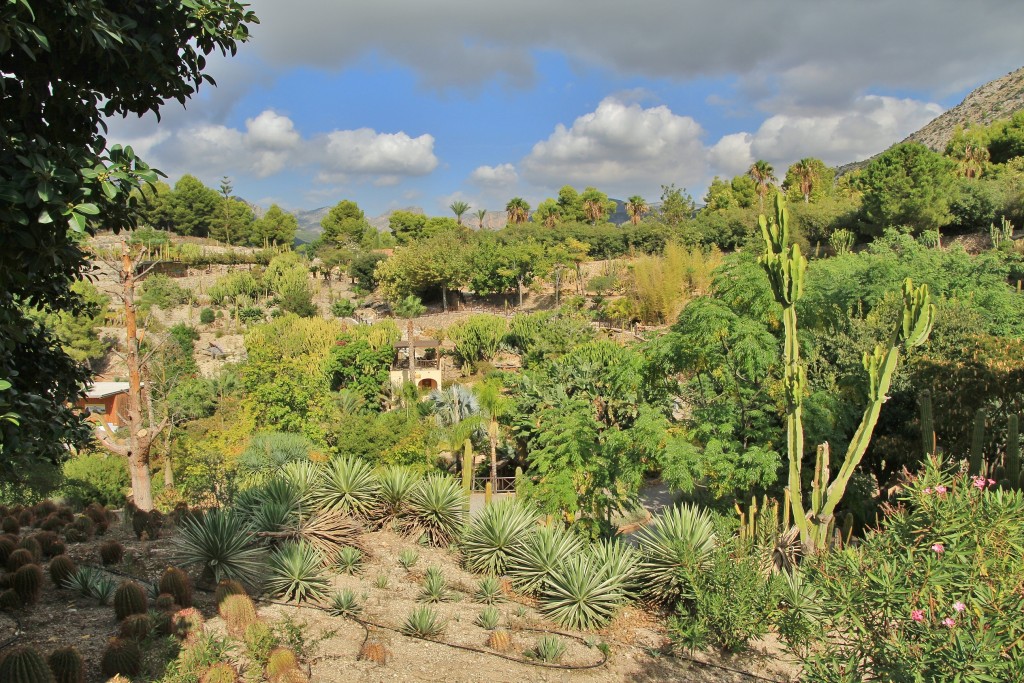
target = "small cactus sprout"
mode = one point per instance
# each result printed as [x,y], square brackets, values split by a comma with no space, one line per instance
[407,558]
[221,672]
[121,657]
[130,598]
[28,582]
[225,588]
[18,559]
[549,649]
[22,664]
[280,662]
[238,611]
[62,568]
[500,640]
[177,583]
[136,627]
[111,552]
[374,652]
[67,665]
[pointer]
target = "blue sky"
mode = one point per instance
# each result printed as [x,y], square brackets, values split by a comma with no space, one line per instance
[402,103]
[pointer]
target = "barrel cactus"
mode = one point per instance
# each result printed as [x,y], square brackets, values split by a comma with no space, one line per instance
[177,583]
[28,582]
[130,598]
[67,665]
[122,657]
[62,568]
[23,664]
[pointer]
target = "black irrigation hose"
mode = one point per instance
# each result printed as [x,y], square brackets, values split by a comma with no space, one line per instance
[366,624]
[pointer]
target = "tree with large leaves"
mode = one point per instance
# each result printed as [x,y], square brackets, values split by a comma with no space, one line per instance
[518,210]
[636,207]
[64,67]
[459,208]
[763,175]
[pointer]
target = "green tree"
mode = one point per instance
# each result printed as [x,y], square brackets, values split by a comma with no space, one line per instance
[276,226]
[156,205]
[636,207]
[459,208]
[518,210]
[65,68]
[344,223]
[233,223]
[676,205]
[194,206]
[407,226]
[596,205]
[808,178]
[909,187]
[78,333]
[570,205]
[481,214]
[719,195]
[548,213]
[763,175]
[357,366]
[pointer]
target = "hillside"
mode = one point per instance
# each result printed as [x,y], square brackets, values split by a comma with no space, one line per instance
[997,99]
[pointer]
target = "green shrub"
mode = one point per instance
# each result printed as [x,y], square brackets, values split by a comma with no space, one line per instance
[221,541]
[477,338]
[541,552]
[296,573]
[435,586]
[349,485]
[98,477]
[343,308]
[251,314]
[344,603]
[410,307]
[437,508]
[267,453]
[233,284]
[423,622]
[206,316]
[549,649]
[161,291]
[490,536]
[676,547]
[488,618]
[579,595]
[933,595]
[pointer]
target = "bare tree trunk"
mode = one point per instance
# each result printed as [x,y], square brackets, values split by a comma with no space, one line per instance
[493,434]
[168,470]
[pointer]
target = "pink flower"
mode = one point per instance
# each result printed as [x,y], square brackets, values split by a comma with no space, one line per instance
[917,614]
[928,491]
[939,548]
[979,482]
[940,489]
[991,482]
[959,606]
[949,622]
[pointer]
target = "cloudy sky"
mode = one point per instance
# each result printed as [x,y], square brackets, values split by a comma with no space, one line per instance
[395,103]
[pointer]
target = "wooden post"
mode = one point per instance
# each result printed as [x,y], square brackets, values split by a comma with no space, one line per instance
[488,493]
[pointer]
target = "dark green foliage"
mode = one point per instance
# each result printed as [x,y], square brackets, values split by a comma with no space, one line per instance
[206,316]
[908,187]
[28,582]
[221,542]
[122,656]
[355,364]
[62,568]
[67,665]
[492,535]
[111,552]
[99,477]
[10,525]
[22,664]
[343,308]
[296,573]
[177,583]
[130,598]
[19,558]
[135,627]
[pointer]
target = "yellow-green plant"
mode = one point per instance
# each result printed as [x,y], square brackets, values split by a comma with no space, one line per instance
[786,268]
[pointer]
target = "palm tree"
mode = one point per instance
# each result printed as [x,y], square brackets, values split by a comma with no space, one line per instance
[494,405]
[806,175]
[636,207]
[518,210]
[593,209]
[481,214]
[457,411]
[459,208]
[763,176]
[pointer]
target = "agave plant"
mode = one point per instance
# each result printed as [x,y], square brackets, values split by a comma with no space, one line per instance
[674,548]
[489,591]
[222,542]
[578,595]
[396,485]
[618,562]
[296,573]
[103,589]
[344,603]
[435,587]
[488,618]
[329,532]
[423,622]
[349,559]
[407,558]
[304,476]
[531,563]
[436,509]
[348,485]
[82,581]
[491,536]
[549,649]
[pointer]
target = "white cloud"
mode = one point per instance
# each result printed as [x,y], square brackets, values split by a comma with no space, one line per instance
[367,152]
[731,155]
[620,147]
[500,176]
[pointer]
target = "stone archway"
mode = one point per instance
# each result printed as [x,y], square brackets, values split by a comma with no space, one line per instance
[427,384]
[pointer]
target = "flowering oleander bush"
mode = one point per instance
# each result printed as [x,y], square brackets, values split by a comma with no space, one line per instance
[936,594]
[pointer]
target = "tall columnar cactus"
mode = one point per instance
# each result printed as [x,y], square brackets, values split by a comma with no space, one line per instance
[1013,452]
[928,444]
[977,461]
[786,268]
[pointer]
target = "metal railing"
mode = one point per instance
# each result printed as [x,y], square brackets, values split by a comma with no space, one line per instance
[502,484]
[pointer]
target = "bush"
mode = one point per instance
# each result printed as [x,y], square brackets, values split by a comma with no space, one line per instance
[491,535]
[410,307]
[477,338]
[96,477]
[161,291]
[933,595]
[206,316]
[343,308]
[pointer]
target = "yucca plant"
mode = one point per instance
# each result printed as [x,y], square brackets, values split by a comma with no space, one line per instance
[296,573]
[349,559]
[435,586]
[618,562]
[304,476]
[382,582]
[423,622]
[531,563]
[491,535]
[549,649]
[489,591]
[329,531]
[488,618]
[577,594]
[222,542]
[81,581]
[103,589]
[344,603]
[674,549]
[396,485]
[436,509]
[407,558]
[348,484]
